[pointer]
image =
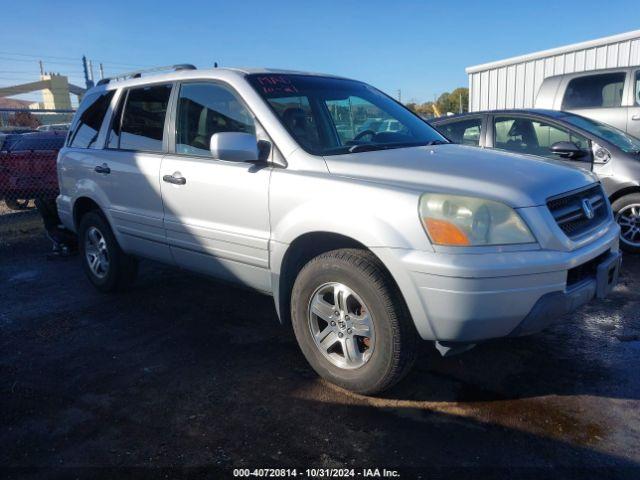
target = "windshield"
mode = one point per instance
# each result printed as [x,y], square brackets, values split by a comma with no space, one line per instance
[328,116]
[620,139]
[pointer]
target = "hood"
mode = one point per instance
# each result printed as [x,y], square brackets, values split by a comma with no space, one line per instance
[516,180]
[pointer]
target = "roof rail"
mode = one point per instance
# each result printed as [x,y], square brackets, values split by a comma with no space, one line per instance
[138,73]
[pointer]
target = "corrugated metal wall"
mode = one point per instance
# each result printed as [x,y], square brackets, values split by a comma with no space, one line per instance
[514,83]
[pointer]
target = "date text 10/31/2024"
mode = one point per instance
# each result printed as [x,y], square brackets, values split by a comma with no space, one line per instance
[316,473]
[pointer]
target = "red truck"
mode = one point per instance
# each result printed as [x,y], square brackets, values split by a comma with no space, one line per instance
[28,167]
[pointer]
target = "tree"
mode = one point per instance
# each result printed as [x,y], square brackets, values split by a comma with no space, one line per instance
[448,102]
[454,102]
[23,119]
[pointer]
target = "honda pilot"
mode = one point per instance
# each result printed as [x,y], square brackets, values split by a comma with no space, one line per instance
[368,239]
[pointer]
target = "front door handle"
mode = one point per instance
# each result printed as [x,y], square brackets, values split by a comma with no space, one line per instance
[635,117]
[176,179]
[104,168]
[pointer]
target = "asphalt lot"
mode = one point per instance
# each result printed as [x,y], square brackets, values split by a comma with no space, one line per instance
[181,371]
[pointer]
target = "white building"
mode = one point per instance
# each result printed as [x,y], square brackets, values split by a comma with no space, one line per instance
[514,82]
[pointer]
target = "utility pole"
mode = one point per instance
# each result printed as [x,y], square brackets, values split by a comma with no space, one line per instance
[88,82]
[41,68]
[399,95]
[91,70]
[460,101]
[101,71]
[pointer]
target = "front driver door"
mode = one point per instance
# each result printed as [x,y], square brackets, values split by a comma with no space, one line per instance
[217,220]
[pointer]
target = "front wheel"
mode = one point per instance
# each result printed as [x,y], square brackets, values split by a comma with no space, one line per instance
[627,213]
[106,265]
[351,322]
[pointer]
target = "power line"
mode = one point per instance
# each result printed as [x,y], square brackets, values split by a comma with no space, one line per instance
[105,62]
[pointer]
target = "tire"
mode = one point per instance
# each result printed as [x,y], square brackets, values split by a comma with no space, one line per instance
[385,352]
[17,203]
[626,211]
[96,238]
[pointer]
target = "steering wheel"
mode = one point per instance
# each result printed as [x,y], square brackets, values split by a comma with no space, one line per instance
[364,133]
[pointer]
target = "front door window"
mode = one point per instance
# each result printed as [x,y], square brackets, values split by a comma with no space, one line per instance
[533,137]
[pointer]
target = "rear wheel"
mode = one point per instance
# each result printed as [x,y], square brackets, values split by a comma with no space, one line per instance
[627,213]
[351,321]
[104,262]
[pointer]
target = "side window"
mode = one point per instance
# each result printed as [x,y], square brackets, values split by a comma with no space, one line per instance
[525,135]
[594,91]
[465,132]
[143,120]
[205,109]
[637,88]
[90,116]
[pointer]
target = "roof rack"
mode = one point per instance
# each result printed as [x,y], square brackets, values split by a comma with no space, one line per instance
[138,73]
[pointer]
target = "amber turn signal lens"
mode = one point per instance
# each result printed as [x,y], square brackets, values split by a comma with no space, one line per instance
[445,233]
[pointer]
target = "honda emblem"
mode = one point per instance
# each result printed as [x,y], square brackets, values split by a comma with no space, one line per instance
[587,208]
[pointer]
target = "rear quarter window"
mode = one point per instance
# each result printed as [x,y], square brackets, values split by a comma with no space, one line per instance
[89,119]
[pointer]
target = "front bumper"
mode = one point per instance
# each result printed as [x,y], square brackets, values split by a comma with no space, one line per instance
[553,306]
[472,297]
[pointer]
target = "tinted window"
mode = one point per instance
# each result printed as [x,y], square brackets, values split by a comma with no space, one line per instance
[525,135]
[637,89]
[205,109]
[39,142]
[594,91]
[329,116]
[466,132]
[143,120]
[90,116]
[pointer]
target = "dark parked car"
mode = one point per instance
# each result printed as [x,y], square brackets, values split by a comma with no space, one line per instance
[575,140]
[28,167]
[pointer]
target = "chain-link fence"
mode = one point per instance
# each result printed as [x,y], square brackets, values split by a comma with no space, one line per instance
[29,145]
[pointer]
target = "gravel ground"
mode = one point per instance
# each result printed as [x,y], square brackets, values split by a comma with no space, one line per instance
[182,376]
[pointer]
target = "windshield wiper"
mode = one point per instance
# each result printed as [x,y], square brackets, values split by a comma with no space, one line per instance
[367,147]
[437,142]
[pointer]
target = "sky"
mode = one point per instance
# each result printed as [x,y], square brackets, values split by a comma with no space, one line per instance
[418,47]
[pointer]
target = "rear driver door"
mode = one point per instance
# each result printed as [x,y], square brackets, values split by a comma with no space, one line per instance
[130,167]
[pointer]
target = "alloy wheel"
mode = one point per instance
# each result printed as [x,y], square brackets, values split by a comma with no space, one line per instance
[628,218]
[341,325]
[96,252]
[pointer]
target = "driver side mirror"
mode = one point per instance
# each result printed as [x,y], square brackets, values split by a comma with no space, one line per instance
[567,150]
[234,147]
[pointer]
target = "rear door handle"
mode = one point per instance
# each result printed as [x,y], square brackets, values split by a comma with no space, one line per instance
[175,179]
[104,168]
[635,117]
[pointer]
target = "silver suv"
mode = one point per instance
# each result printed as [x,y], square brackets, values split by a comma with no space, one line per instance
[368,240]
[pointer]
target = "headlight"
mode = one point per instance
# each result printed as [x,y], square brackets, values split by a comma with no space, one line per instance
[459,221]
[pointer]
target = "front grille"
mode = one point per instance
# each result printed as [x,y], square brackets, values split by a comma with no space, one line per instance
[570,215]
